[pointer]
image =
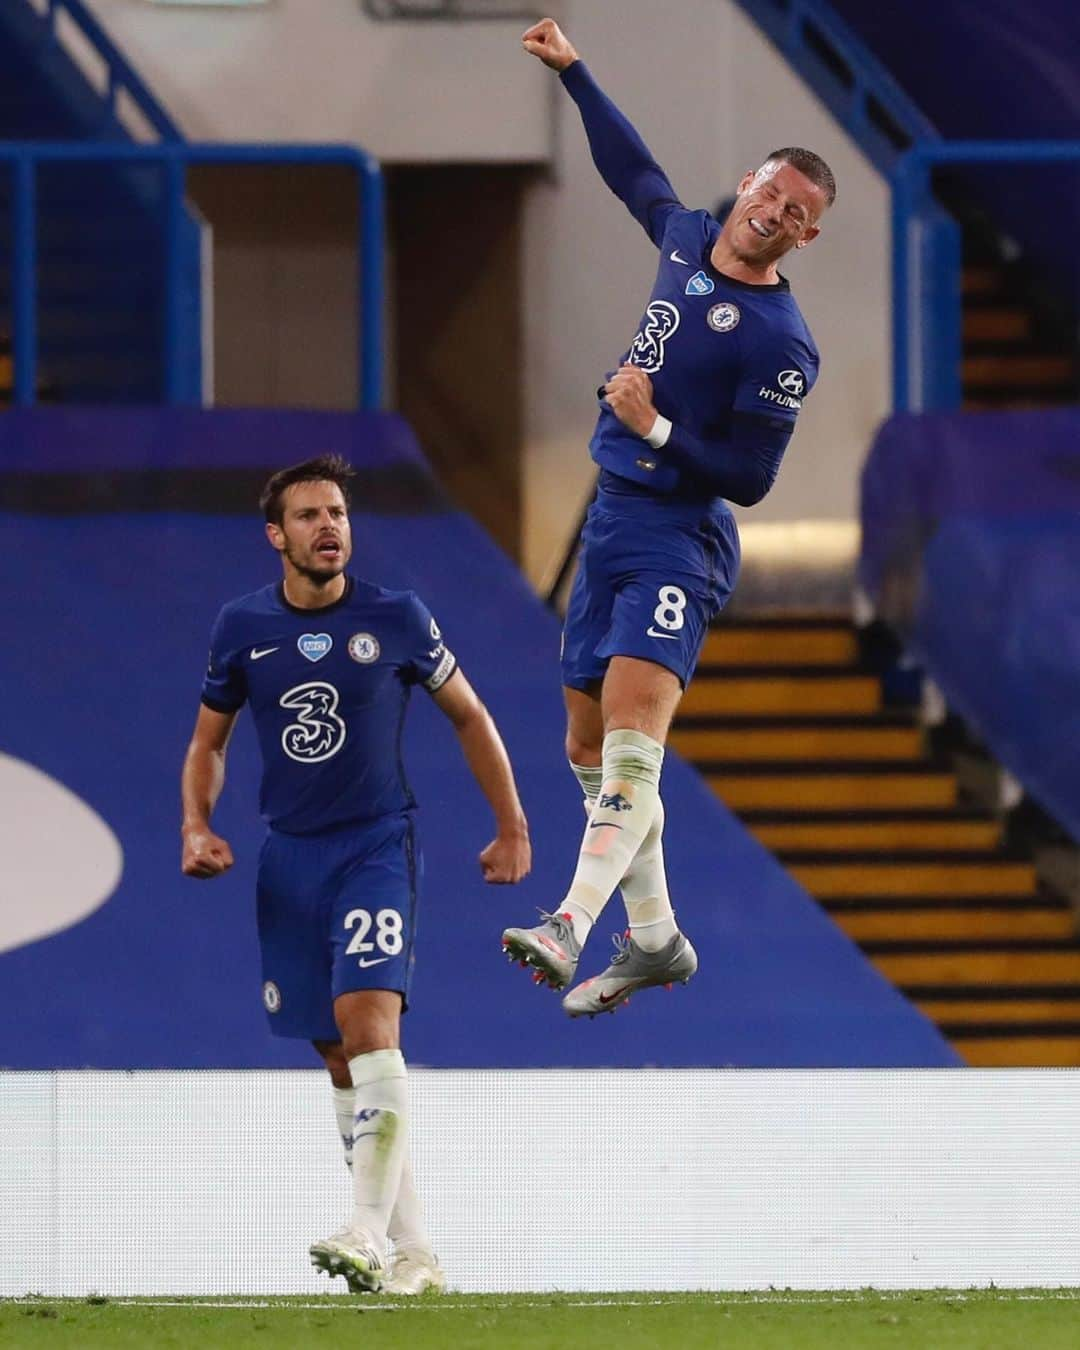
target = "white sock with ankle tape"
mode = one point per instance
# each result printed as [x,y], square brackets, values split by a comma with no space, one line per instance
[620,819]
[645,892]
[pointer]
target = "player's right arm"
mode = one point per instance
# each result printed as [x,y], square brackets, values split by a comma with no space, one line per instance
[618,152]
[224,691]
[205,854]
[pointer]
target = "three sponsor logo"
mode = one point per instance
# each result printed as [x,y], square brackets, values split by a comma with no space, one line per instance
[647,349]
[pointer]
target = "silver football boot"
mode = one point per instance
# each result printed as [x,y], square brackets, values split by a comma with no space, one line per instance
[632,969]
[551,949]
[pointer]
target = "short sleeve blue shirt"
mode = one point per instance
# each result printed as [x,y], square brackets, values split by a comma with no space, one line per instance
[328,689]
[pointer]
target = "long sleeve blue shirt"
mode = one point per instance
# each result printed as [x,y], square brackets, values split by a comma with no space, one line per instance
[730,362]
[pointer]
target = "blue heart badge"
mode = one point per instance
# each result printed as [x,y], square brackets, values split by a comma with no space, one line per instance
[314,645]
[700,284]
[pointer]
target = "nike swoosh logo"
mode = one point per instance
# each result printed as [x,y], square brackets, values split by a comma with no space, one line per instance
[363,962]
[599,825]
[257,653]
[610,998]
[676,256]
[651,632]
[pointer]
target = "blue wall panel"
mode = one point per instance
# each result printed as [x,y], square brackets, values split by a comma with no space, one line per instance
[104,676]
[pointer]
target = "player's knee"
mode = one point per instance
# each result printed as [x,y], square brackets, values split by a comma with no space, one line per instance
[368,1024]
[583,749]
[337,1063]
[362,1040]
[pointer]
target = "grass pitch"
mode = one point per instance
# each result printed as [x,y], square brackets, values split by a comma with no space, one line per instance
[952,1320]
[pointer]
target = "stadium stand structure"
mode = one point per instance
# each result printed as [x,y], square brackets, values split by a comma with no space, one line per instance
[998,72]
[99,228]
[894,76]
[971,558]
[794,727]
[141,523]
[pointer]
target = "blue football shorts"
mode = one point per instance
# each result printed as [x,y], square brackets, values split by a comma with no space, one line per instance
[336,913]
[651,577]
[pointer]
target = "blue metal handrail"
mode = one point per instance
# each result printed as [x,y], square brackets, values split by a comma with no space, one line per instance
[121,75]
[845,74]
[865,99]
[911,186]
[175,157]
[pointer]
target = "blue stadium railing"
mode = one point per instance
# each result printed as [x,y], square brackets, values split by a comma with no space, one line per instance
[121,77]
[885,124]
[901,142]
[174,157]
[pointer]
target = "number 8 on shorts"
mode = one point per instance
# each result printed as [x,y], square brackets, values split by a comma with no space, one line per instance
[669,613]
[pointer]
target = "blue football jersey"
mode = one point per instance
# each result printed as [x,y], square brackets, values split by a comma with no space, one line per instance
[717,350]
[712,347]
[328,689]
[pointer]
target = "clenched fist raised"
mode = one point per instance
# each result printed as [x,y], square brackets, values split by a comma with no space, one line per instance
[547,41]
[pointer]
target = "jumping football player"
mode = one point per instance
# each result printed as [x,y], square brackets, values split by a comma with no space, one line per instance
[700,410]
[327,662]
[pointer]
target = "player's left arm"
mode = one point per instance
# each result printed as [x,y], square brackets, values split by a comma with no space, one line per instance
[508,857]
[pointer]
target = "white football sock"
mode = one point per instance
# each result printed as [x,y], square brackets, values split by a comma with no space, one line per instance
[406,1226]
[645,892]
[644,888]
[620,819]
[406,1229]
[380,1138]
[590,778]
[344,1099]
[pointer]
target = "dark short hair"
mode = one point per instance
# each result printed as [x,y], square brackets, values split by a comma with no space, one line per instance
[811,166]
[321,469]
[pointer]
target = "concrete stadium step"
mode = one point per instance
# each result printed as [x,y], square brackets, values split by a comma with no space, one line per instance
[776,690]
[996,323]
[834,739]
[922,874]
[829,787]
[859,832]
[969,1012]
[945,923]
[780,642]
[1020,1051]
[980,281]
[1027,372]
[987,963]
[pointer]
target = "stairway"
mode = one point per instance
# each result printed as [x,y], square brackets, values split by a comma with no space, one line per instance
[99,234]
[46,390]
[1016,351]
[793,734]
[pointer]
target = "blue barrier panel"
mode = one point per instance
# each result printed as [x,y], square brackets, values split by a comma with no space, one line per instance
[999,627]
[971,550]
[112,632]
